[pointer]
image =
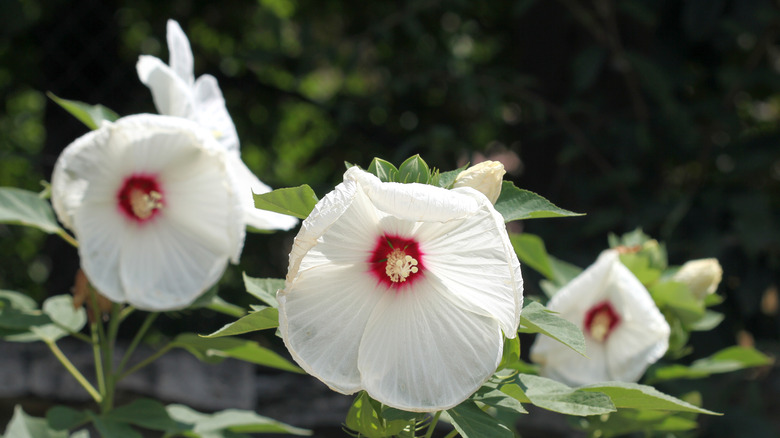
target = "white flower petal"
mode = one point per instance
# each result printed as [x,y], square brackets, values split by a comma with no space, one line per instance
[180,52]
[249,185]
[322,317]
[211,112]
[422,353]
[172,96]
[631,348]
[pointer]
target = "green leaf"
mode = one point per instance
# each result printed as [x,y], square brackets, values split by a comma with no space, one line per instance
[90,115]
[63,320]
[25,426]
[64,418]
[472,422]
[384,170]
[144,412]
[294,201]
[225,423]
[555,396]
[626,421]
[107,426]
[724,361]
[677,298]
[23,207]
[517,204]
[264,289]
[535,318]
[211,300]
[511,354]
[447,179]
[414,170]
[263,319]
[709,321]
[637,396]
[363,418]
[17,300]
[531,251]
[212,350]
[499,400]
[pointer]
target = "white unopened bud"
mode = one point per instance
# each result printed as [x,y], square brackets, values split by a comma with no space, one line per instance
[702,276]
[486,177]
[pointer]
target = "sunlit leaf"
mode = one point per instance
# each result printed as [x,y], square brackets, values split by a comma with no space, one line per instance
[23,207]
[414,169]
[724,361]
[225,424]
[25,426]
[535,318]
[263,319]
[384,170]
[63,320]
[264,289]
[447,179]
[90,115]
[531,251]
[211,350]
[555,396]
[636,396]
[294,201]
[517,204]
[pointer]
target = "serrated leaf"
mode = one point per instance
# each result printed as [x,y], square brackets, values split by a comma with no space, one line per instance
[518,204]
[25,426]
[535,318]
[23,207]
[224,424]
[90,115]
[384,170]
[637,396]
[262,319]
[555,396]
[414,170]
[294,201]
[212,350]
[472,422]
[531,251]
[264,289]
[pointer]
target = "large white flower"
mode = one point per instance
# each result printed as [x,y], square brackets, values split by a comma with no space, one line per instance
[624,330]
[402,290]
[176,93]
[154,209]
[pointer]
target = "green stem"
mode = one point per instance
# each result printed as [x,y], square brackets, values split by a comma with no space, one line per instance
[145,362]
[136,340]
[67,237]
[432,426]
[101,379]
[126,311]
[452,434]
[73,371]
[108,355]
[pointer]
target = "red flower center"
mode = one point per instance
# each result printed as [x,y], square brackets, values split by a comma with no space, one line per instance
[601,320]
[396,261]
[140,197]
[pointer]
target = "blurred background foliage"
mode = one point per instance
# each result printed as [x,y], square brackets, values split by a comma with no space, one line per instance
[660,114]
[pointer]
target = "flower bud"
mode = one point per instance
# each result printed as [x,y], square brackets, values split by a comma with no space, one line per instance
[702,276]
[485,177]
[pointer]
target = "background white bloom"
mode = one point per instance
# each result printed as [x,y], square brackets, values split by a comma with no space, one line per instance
[702,276]
[624,330]
[177,93]
[486,177]
[403,290]
[154,209]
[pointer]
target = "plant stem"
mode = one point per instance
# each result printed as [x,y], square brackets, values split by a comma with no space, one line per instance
[108,354]
[101,379]
[452,434]
[145,362]
[73,371]
[67,237]
[136,340]
[432,426]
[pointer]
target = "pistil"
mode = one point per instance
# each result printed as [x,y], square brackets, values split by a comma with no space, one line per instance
[400,266]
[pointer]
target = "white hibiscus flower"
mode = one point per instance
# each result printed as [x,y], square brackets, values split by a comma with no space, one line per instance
[177,93]
[154,209]
[624,330]
[402,290]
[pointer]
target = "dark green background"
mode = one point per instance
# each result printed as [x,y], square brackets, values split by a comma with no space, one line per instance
[654,114]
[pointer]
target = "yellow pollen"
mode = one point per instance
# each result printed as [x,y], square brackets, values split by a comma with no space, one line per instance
[400,266]
[144,204]
[599,326]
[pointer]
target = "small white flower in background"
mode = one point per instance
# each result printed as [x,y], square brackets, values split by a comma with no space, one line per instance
[402,290]
[486,177]
[624,330]
[702,276]
[177,93]
[154,209]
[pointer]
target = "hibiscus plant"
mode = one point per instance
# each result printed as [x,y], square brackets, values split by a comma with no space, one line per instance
[404,286]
